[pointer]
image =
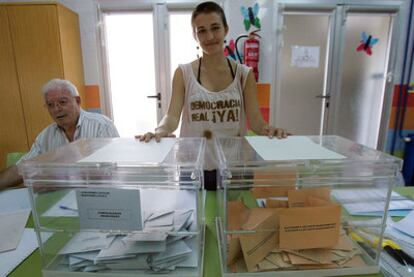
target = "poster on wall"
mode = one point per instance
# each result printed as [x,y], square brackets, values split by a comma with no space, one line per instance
[304,56]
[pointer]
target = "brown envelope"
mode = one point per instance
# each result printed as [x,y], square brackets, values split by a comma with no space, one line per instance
[277,259]
[297,260]
[274,203]
[256,216]
[265,265]
[234,249]
[237,214]
[277,182]
[255,247]
[356,261]
[344,243]
[321,266]
[317,202]
[310,227]
[298,198]
[310,256]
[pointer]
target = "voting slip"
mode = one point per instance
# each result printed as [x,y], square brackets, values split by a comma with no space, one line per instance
[192,259]
[164,221]
[121,249]
[183,219]
[76,263]
[174,251]
[89,256]
[86,242]
[158,218]
[155,236]
[138,262]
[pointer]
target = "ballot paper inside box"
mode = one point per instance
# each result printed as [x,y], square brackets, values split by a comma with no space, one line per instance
[108,212]
[290,239]
[279,207]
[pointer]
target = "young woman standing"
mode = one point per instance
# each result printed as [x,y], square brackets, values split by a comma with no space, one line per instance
[214,94]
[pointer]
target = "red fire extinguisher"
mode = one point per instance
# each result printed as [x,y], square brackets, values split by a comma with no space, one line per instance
[251,52]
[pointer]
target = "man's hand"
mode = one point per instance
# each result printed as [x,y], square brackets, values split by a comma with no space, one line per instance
[10,178]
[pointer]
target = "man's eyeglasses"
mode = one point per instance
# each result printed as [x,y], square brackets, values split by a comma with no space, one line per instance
[61,103]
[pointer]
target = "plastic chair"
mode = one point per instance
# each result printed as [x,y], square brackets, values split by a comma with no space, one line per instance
[13,157]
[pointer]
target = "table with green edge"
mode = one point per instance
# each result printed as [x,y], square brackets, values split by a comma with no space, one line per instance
[32,265]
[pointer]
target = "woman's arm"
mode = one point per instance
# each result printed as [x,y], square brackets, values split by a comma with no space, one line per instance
[170,121]
[257,123]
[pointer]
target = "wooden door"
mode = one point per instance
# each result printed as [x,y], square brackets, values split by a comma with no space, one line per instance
[35,35]
[13,137]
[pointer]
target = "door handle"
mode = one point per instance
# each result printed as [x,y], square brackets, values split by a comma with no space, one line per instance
[327,96]
[158,96]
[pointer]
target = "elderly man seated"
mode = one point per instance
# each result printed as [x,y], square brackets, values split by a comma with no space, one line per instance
[71,123]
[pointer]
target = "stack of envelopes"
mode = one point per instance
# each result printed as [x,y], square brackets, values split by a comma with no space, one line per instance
[160,247]
[300,230]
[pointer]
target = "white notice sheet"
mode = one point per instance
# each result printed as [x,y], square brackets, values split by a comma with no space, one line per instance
[290,148]
[133,151]
[11,229]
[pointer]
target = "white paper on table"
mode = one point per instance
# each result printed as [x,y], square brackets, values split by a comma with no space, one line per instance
[365,194]
[11,259]
[68,201]
[133,151]
[14,200]
[397,235]
[360,201]
[11,229]
[290,148]
[406,225]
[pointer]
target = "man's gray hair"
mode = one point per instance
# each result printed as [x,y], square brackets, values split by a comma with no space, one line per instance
[56,84]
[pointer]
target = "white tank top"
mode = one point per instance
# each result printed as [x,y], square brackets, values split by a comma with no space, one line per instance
[213,114]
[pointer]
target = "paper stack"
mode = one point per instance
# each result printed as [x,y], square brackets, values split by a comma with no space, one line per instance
[401,232]
[372,201]
[301,230]
[160,247]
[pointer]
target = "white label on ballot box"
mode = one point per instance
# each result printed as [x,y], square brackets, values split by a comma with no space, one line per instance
[109,209]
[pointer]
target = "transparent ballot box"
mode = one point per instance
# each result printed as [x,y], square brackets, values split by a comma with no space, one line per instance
[302,206]
[119,207]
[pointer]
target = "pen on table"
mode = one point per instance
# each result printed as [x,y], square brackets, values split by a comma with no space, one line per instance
[67,208]
[392,248]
